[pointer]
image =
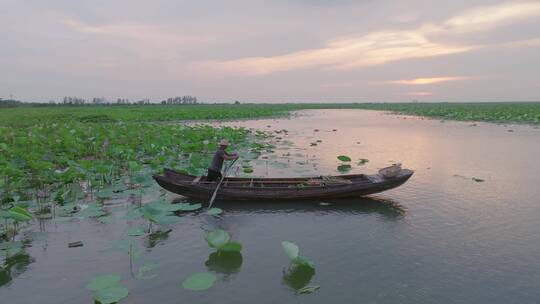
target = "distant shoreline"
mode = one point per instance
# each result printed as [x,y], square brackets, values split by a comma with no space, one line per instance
[496,112]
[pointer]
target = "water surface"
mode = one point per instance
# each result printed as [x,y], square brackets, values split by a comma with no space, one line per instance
[440,238]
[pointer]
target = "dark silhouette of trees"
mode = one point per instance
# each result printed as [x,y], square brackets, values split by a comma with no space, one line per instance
[100,101]
[9,103]
[73,100]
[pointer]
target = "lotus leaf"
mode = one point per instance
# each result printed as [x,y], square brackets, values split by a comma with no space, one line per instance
[344,158]
[103,281]
[291,250]
[136,231]
[231,247]
[199,281]
[214,211]
[111,294]
[217,238]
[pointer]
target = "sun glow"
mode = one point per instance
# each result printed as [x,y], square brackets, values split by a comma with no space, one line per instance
[421,81]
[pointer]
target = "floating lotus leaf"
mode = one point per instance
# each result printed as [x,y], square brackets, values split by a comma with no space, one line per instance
[199,281]
[362,161]
[303,261]
[136,231]
[291,250]
[189,207]
[92,210]
[214,211]
[217,238]
[103,281]
[344,158]
[111,294]
[166,207]
[231,247]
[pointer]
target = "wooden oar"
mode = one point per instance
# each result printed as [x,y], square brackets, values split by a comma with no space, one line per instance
[219,184]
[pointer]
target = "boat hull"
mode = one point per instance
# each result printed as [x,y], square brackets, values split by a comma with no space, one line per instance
[246,189]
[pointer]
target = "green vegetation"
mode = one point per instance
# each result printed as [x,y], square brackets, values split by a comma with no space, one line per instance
[293,253]
[26,116]
[503,112]
[344,158]
[51,156]
[106,289]
[221,241]
[46,150]
[214,211]
[500,112]
[362,161]
[300,271]
[199,281]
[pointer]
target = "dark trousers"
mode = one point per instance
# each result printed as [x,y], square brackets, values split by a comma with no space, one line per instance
[213,175]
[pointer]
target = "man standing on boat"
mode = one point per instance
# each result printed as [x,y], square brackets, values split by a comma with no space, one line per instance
[214,170]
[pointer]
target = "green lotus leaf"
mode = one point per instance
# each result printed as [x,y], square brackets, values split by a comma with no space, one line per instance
[217,238]
[214,211]
[303,261]
[136,231]
[231,247]
[189,207]
[291,250]
[199,281]
[111,294]
[344,158]
[362,161]
[103,281]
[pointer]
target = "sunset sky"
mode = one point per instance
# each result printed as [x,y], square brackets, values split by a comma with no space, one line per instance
[271,51]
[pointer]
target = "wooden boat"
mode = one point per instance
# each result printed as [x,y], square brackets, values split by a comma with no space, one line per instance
[254,189]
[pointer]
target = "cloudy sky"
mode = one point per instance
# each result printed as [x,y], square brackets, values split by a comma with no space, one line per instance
[271,51]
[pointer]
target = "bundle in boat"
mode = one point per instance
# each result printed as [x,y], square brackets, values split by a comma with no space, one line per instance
[391,171]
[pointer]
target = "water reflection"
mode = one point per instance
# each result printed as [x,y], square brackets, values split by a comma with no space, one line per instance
[226,263]
[297,277]
[13,266]
[156,237]
[364,205]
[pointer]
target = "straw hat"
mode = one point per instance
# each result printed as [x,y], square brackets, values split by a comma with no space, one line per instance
[223,142]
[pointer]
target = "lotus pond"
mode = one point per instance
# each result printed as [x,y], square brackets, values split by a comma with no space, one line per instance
[83,220]
[499,112]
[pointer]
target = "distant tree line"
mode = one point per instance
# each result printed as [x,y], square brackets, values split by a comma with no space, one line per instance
[77,101]
[68,100]
[9,103]
[180,100]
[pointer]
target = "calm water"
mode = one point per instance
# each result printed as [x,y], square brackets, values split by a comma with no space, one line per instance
[440,238]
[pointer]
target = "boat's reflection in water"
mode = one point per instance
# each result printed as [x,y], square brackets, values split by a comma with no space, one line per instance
[363,205]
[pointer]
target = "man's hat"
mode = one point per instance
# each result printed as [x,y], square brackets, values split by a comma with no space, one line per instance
[223,142]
